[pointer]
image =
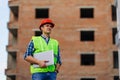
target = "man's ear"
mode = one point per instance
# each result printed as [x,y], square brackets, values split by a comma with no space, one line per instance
[42,27]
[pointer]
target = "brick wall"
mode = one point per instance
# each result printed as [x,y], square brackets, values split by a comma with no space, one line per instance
[68,24]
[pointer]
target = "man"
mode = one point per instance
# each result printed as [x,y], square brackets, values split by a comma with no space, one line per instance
[41,44]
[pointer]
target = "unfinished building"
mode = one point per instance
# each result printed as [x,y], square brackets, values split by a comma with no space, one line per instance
[85,30]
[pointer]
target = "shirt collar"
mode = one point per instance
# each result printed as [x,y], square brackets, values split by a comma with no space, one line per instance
[45,37]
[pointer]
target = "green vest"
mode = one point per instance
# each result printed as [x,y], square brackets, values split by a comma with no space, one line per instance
[40,45]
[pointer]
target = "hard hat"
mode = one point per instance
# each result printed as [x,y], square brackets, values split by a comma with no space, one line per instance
[46,21]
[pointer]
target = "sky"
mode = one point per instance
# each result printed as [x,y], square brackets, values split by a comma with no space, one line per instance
[4,19]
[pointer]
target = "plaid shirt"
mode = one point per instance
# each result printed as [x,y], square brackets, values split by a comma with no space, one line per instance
[31,49]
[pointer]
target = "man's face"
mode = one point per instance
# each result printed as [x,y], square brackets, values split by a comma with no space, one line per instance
[47,28]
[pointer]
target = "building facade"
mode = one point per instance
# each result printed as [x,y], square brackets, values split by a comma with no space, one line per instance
[85,30]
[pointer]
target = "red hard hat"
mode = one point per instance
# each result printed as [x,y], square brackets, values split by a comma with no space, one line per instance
[46,21]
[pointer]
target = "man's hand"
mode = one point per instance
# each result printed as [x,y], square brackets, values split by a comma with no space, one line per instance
[42,64]
[57,68]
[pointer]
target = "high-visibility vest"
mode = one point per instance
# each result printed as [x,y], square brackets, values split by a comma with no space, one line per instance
[40,45]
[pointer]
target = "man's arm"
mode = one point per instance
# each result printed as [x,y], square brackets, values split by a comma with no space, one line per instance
[29,57]
[32,60]
[59,62]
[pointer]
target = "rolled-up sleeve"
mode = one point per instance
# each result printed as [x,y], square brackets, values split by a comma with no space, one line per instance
[29,50]
[59,57]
